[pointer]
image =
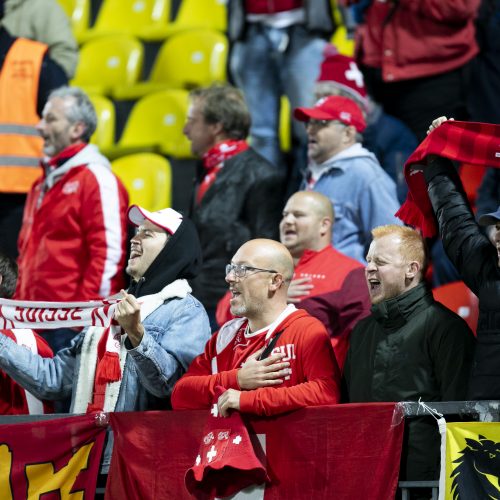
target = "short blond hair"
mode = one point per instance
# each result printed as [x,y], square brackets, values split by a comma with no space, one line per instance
[412,248]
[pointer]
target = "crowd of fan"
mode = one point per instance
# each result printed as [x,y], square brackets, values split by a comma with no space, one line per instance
[316,292]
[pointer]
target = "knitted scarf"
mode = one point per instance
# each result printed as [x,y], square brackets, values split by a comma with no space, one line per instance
[213,161]
[102,359]
[467,142]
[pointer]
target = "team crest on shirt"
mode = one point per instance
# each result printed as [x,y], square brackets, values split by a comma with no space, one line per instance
[71,187]
[289,351]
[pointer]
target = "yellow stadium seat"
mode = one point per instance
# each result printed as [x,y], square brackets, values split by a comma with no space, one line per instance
[344,44]
[155,124]
[145,19]
[108,62]
[285,125]
[188,59]
[78,12]
[210,14]
[104,135]
[148,179]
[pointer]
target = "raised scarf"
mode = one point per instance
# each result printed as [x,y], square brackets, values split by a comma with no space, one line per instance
[468,142]
[213,161]
[108,358]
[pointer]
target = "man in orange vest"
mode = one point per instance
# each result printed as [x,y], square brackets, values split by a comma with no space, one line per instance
[27,75]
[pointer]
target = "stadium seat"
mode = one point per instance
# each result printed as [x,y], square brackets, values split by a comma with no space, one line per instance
[200,14]
[342,38]
[186,60]
[458,297]
[155,124]
[78,12]
[108,62]
[145,19]
[104,135]
[285,126]
[148,179]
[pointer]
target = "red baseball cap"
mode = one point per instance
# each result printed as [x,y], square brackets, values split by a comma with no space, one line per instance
[334,108]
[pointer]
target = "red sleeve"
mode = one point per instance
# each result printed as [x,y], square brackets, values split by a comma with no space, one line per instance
[320,370]
[195,390]
[104,206]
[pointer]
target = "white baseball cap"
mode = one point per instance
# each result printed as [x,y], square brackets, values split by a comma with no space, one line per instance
[167,218]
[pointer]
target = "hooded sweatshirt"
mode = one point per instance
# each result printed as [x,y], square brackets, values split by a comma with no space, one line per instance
[362,193]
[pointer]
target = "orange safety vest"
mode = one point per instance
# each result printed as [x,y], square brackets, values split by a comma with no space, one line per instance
[20,143]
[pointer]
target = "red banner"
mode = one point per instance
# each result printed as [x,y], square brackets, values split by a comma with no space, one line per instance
[337,452]
[50,459]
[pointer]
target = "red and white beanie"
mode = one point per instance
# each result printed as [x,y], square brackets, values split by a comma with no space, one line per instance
[343,72]
[226,461]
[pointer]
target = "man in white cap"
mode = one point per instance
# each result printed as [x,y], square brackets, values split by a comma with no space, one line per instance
[163,327]
[362,193]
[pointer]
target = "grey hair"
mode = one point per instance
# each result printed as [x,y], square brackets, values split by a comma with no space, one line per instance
[81,111]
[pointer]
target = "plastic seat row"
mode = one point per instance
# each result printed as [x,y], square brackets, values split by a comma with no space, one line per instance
[147,178]
[149,20]
[155,125]
[113,65]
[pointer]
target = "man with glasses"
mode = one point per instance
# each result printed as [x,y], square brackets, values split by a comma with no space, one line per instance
[274,358]
[362,193]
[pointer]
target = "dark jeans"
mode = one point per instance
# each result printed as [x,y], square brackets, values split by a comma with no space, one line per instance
[418,101]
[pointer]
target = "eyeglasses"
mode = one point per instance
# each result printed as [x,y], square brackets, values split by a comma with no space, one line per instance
[240,270]
[317,124]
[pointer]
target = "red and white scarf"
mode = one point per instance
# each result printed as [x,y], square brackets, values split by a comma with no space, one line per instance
[103,356]
[467,142]
[213,161]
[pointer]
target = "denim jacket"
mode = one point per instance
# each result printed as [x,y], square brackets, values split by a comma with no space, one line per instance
[175,333]
[363,196]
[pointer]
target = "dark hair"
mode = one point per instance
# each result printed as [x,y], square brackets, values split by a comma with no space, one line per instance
[226,105]
[8,272]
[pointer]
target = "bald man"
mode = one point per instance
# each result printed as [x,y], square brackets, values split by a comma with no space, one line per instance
[275,357]
[328,284]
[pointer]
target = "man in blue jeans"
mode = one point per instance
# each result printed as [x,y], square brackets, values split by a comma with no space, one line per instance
[277,50]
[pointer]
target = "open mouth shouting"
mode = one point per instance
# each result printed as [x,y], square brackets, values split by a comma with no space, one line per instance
[374,286]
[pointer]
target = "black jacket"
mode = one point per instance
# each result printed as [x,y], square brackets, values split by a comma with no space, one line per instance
[319,18]
[411,347]
[243,203]
[477,262]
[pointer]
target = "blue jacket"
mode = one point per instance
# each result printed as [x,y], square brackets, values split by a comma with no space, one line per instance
[363,196]
[175,333]
[392,142]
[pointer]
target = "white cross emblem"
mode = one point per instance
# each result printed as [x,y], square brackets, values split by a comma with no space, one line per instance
[497,154]
[198,460]
[237,440]
[354,75]
[214,411]
[211,454]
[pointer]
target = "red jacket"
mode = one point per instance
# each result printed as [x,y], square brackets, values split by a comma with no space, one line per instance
[271,6]
[412,39]
[73,237]
[315,377]
[14,400]
[339,298]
